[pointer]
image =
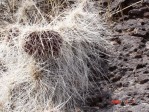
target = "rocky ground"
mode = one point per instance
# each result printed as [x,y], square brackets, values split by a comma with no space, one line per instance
[129,68]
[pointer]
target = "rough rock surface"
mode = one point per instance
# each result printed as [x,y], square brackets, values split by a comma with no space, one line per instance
[129,67]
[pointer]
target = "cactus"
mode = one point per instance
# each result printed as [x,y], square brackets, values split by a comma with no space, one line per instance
[46,65]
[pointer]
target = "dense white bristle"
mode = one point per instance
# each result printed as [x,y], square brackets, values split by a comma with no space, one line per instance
[51,83]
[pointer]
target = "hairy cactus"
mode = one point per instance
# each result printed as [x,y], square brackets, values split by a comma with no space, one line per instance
[50,65]
[43,44]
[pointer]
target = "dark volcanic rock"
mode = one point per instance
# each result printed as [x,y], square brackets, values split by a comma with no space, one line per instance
[130,66]
[143,79]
